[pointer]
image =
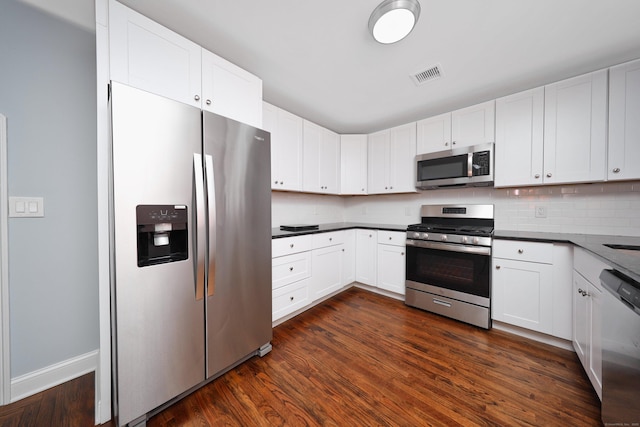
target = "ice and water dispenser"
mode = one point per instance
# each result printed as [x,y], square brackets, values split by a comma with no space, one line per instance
[162,234]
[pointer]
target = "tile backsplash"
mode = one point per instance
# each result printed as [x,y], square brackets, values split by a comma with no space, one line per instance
[603,208]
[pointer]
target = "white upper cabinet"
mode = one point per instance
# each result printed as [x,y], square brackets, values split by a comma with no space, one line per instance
[321,159]
[461,128]
[391,165]
[624,122]
[473,125]
[434,134]
[519,138]
[353,164]
[286,147]
[230,91]
[575,129]
[146,55]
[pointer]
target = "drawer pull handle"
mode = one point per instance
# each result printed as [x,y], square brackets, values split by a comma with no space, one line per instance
[439,302]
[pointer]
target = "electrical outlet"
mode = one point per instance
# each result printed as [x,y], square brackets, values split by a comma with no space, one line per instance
[541,211]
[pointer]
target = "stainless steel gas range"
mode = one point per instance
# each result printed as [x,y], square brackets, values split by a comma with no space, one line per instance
[448,262]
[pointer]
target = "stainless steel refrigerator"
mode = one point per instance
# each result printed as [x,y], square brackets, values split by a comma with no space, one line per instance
[191,248]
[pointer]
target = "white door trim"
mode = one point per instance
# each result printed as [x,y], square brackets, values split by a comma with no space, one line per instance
[5,354]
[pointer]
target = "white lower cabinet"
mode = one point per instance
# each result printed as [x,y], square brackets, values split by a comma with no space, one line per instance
[587,314]
[391,261]
[349,257]
[531,286]
[366,251]
[326,263]
[291,273]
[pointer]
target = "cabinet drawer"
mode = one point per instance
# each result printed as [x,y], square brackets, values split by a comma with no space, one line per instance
[523,251]
[290,245]
[588,266]
[322,240]
[290,298]
[394,238]
[290,268]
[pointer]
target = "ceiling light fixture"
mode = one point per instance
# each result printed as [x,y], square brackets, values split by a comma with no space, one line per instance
[393,20]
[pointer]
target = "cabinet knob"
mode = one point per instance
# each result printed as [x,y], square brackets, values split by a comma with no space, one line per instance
[370,235]
[390,238]
[520,251]
[362,189]
[497,267]
[391,188]
[549,175]
[453,143]
[536,176]
[290,268]
[343,250]
[446,144]
[616,170]
[330,239]
[208,102]
[290,298]
[291,245]
[197,97]
[402,253]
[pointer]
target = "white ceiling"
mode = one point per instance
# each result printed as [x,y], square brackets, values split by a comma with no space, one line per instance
[317,59]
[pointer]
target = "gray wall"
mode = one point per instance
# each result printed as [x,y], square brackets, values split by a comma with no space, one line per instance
[47,92]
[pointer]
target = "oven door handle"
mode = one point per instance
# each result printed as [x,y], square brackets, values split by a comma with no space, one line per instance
[477,250]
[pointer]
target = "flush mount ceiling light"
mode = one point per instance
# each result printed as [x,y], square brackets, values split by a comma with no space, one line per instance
[393,20]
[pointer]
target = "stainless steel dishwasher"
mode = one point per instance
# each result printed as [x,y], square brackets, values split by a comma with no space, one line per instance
[620,349]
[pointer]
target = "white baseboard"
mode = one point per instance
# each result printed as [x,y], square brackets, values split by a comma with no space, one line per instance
[51,376]
[533,335]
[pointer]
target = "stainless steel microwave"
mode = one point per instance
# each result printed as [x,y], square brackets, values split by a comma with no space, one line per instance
[461,167]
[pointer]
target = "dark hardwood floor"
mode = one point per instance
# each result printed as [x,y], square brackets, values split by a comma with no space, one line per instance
[363,359]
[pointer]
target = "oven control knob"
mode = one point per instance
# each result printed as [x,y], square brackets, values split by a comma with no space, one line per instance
[476,240]
[425,236]
[464,239]
[444,238]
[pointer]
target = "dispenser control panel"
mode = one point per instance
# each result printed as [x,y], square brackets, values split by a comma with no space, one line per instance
[162,234]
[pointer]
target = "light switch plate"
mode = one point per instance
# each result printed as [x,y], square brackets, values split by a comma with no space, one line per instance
[26,207]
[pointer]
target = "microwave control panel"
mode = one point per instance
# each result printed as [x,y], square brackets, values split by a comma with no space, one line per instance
[481,163]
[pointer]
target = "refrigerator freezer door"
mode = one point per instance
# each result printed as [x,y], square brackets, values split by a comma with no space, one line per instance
[159,322]
[239,286]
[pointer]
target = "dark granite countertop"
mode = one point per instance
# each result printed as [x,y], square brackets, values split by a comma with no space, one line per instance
[276,233]
[626,263]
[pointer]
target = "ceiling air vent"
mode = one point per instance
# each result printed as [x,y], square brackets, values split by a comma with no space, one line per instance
[423,76]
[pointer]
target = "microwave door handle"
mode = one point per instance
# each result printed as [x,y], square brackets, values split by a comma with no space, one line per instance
[470,165]
[200,226]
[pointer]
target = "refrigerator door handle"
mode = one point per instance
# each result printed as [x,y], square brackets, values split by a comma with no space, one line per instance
[211,198]
[200,225]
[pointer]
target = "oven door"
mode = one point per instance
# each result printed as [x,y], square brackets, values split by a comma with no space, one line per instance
[456,271]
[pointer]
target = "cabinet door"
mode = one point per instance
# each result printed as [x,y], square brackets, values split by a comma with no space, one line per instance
[286,148]
[575,123]
[146,55]
[378,164]
[349,258]
[391,268]
[311,146]
[624,123]
[434,134]
[595,334]
[329,160]
[473,125]
[522,294]
[326,274]
[580,317]
[401,158]
[519,139]
[321,159]
[366,251]
[230,91]
[353,164]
